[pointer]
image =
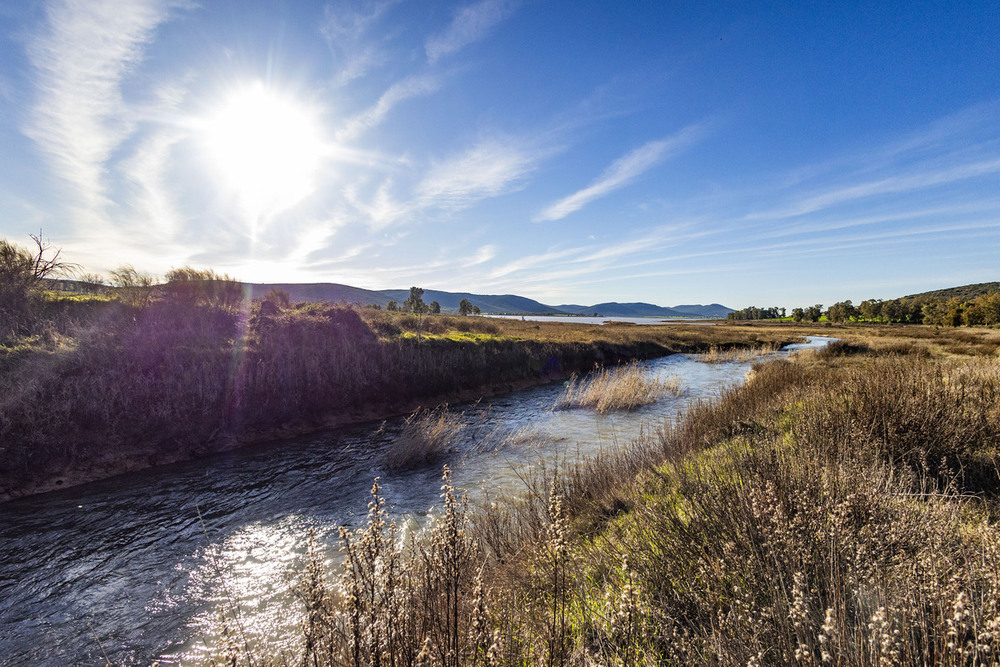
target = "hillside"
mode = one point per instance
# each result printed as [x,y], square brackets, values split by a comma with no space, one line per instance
[336,293]
[964,292]
[488,303]
[616,309]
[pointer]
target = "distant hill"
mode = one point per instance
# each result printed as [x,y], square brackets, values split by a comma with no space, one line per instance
[488,303]
[615,309]
[335,293]
[964,292]
[332,292]
[711,310]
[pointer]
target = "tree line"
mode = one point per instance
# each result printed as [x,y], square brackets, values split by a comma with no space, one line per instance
[982,310]
[414,304]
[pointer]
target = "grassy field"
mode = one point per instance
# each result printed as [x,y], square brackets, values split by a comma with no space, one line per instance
[100,387]
[839,508]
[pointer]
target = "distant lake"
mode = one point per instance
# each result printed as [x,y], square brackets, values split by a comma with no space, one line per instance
[573,319]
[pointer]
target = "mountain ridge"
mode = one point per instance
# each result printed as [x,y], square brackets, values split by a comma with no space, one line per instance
[510,304]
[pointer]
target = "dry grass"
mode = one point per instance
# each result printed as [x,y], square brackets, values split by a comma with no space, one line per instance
[717,355]
[620,388]
[426,436]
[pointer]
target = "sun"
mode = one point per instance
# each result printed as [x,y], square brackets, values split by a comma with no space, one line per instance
[266,148]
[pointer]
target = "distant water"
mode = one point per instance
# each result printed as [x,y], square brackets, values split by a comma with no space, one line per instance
[573,319]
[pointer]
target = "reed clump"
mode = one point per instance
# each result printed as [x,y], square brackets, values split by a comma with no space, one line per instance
[620,388]
[395,603]
[737,354]
[426,436]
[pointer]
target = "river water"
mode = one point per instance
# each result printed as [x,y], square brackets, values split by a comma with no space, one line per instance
[140,567]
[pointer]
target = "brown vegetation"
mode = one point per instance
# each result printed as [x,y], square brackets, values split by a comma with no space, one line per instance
[623,387]
[425,437]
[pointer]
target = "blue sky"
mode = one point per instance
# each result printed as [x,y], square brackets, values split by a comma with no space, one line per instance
[573,152]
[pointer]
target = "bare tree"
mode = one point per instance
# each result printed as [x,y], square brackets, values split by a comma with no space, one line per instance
[23,272]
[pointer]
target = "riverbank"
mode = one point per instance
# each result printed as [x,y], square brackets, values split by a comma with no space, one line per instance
[121,389]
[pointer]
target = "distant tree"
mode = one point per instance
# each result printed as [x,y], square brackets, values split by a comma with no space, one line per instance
[392,306]
[974,314]
[415,304]
[464,307]
[871,310]
[989,304]
[476,311]
[92,283]
[842,311]
[813,313]
[798,314]
[893,311]
[435,308]
[755,313]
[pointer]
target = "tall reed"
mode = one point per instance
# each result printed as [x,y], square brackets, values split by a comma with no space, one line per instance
[620,388]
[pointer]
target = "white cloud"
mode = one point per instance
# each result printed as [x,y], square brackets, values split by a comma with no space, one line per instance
[483,255]
[488,169]
[621,172]
[895,184]
[346,32]
[470,24]
[403,90]
[147,168]
[81,58]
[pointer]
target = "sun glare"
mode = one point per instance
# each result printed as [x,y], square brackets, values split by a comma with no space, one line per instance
[267,149]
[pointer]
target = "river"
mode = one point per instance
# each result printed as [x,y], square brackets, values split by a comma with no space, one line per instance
[138,567]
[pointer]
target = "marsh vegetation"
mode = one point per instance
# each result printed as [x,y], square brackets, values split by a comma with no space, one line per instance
[624,387]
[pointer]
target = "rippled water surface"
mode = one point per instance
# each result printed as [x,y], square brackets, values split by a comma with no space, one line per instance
[141,566]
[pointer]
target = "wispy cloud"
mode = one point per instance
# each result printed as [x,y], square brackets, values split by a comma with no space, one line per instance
[379,210]
[470,24]
[621,172]
[81,57]
[481,256]
[918,179]
[488,169]
[408,88]
[346,31]
[146,169]
[579,261]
